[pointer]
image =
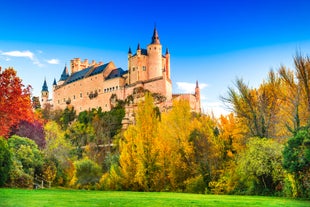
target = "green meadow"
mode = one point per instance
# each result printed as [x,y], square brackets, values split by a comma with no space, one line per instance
[72,198]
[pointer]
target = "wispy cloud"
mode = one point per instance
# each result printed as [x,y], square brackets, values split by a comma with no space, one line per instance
[189,87]
[22,54]
[53,61]
[16,53]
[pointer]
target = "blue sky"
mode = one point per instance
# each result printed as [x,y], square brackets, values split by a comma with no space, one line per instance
[210,41]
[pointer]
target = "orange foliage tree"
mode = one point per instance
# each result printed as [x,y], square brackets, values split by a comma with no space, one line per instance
[15,102]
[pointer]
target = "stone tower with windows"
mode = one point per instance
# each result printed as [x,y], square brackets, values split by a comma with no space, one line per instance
[44,94]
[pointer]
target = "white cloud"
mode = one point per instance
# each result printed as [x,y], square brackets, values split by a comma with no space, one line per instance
[189,87]
[214,108]
[16,53]
[53,61]
[22,54]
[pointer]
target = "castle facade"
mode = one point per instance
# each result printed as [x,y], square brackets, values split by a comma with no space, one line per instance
[94,85]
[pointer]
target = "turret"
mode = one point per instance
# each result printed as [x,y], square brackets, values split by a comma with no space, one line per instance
[138,49]
[44,93]
[54,83]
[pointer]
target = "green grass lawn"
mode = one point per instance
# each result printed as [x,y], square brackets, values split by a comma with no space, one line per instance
[72,198]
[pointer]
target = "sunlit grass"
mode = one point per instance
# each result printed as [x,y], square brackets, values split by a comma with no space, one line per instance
[72,198]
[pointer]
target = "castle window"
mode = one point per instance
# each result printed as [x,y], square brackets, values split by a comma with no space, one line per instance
[87,93]
[133,69]
[81,95]
[105,90]
[113,88]
[144,68]
[99,90]
[73,96]
[116,87]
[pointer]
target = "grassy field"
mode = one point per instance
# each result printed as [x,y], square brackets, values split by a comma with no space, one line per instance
[74,198]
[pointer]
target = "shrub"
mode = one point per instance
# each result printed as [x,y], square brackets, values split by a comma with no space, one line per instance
[87,173]
[195,185]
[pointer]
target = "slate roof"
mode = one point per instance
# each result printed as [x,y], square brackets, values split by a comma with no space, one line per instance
[78,75]
[116,73]
[90,71]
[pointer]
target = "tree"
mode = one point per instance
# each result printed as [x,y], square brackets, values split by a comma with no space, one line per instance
[297,160]
[139,144]
[58,152]
[15,102]
[27,161]
[260,165]
[5,161]
[256,108]
[33,131]
[177,155]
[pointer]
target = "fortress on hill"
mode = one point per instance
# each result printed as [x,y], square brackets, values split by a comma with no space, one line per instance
[93,85]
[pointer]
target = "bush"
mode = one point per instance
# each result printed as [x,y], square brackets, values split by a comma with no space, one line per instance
[87,173]
[195,185]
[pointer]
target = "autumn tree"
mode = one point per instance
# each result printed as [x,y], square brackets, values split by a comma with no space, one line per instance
[58,153]
[175,130]
[257,109]
[15,102]
[34,131]
[138,158]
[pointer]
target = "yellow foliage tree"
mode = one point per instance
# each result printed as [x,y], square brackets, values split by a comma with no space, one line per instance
[138,151]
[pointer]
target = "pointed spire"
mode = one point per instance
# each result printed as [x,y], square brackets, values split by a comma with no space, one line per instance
[167,51]
[54,83]
[197,86]
[138,48]
[64,74]
[155,37]
[129,51]
[44,87]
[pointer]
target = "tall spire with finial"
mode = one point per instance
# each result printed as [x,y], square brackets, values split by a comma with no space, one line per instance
[155,37]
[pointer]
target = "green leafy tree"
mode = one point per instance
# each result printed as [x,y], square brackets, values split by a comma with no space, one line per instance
[260,166]
[297,160]
[27,161]
[5,161]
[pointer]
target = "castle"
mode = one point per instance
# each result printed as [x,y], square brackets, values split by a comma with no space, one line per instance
[94,85]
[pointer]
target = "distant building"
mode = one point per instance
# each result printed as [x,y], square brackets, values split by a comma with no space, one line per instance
[94,85]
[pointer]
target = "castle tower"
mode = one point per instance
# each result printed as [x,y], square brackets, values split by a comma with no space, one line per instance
[197,96]
[167,69]
[154,51]
[129,63]
[44,94]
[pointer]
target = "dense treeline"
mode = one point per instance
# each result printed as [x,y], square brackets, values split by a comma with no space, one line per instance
[262,147]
